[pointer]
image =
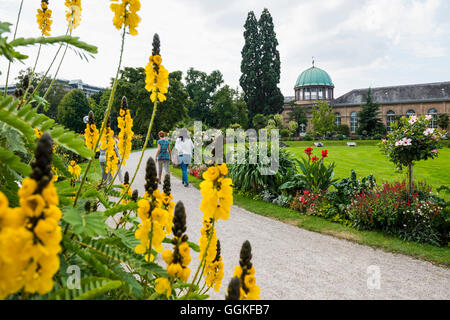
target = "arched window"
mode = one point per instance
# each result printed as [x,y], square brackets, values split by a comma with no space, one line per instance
[320,94]
[300,96]
[390,118]
[433,122]
[326,94]
[353,122]
[338,119]
[410,112]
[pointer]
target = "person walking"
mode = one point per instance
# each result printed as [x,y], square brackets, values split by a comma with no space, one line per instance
[163,154]
[184,147]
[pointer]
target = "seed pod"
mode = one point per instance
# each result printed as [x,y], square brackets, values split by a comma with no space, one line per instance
[179,220]
[156,50]
[42,163]
[135,195]
[124,103]
[234,289]
[126,178]
[246,256]
[166,185]
[91,117]
[151,183]
[156,45]
[87,206]
[217,252]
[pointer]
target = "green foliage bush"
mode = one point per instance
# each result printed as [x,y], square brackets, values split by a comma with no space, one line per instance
[71,110]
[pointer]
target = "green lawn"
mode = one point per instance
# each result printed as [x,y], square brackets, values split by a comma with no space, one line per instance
[367,160]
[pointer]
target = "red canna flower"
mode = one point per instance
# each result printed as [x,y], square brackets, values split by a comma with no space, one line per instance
[324,153]
[309,151]
[314,159]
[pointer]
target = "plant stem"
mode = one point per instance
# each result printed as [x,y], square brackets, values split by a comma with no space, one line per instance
[107,112]
[30,79]
[203,261]
[410,178]
[14,38]
[155,105]
[48,69]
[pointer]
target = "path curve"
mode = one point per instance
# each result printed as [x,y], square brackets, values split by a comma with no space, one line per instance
[295,264]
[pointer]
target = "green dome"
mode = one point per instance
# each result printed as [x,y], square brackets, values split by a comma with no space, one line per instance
[314,77]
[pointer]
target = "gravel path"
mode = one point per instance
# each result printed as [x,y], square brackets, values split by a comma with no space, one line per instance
[293,263]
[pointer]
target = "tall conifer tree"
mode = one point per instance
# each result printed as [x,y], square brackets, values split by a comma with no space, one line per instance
[250,65]
[271,96]
[369,122]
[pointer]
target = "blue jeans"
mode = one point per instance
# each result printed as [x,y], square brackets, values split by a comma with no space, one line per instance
[184,160]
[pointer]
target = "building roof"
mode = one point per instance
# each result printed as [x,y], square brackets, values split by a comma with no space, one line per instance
[416,93]
[312,77]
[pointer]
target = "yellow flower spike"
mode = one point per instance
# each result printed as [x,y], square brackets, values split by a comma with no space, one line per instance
[125,14]
[30,235]
[125,124]
[157,77]
[73,14]
[44,18]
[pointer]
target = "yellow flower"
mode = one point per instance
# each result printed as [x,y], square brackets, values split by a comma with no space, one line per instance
[73,15]
[38,133]
[125,14]
[211,174]
[50,195]
[33,205]
[91,136]
[162,285]
[28,187]
[44,18]
[157,79]
[167,256]
[125,124]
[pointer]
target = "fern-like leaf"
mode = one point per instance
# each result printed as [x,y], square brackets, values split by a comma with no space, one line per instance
[27,118]
[90,288]
[13,162]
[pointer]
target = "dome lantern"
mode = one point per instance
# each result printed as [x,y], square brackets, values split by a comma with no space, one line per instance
[314,84]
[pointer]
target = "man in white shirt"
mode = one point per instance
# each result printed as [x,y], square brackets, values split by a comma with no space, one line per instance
[184,147]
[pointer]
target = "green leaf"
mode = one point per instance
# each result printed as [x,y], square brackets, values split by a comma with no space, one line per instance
[92,224]
[13,162]
[90,288]
[27,118]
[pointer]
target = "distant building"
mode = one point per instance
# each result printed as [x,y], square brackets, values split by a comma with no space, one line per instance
[315,84]
[89,90]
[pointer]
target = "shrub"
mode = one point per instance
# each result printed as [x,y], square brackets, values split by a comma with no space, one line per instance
[283,200]
[314,175]
[253,178]
[391,209]
[410,141]
[285,133]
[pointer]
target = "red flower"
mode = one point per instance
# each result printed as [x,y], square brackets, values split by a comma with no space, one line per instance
[324,153]
[314,159]
[309,151]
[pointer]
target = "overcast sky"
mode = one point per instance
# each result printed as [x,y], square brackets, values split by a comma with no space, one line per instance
[359,43]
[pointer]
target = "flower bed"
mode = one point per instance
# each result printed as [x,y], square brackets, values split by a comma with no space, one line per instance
[197,170]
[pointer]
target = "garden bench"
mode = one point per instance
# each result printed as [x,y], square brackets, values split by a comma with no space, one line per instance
[351,144]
